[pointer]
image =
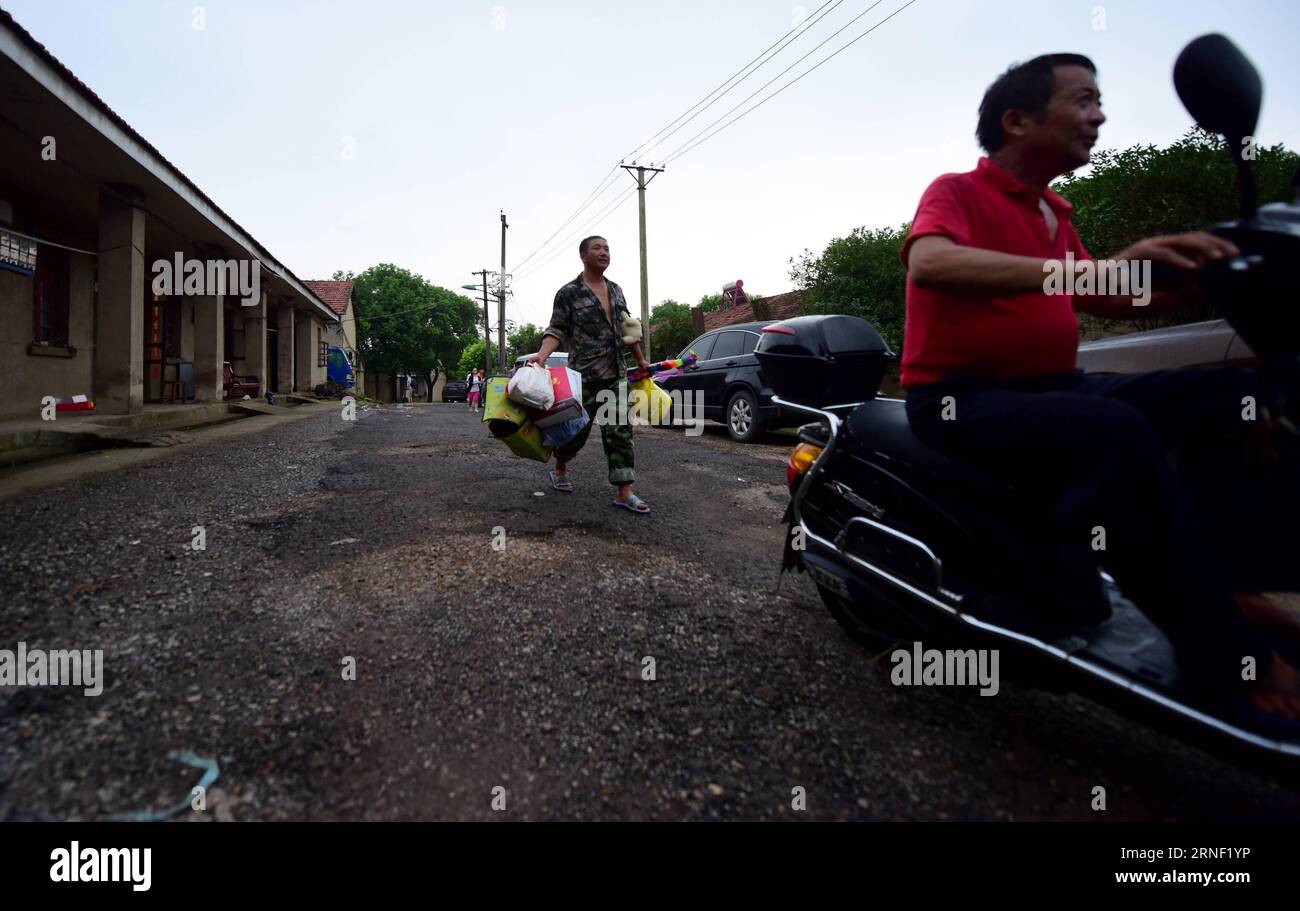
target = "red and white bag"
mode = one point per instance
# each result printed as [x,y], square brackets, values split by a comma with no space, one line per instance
[567,386]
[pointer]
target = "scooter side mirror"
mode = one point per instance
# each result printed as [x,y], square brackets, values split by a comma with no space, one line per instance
[1223,92]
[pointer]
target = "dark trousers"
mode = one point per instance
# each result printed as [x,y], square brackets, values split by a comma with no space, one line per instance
[1094,450]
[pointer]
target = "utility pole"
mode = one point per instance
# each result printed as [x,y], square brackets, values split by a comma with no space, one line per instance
[501,304]
[487,327]
[641,184]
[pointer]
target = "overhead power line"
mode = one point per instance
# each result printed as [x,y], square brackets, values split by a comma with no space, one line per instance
[600,188]
[697,140]
[564,245]
[709,132]
[603,184]
[785,40]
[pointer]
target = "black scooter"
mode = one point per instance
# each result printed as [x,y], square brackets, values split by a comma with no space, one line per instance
[906,544]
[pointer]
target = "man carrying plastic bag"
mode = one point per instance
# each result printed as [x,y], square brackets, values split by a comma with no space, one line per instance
[591,320]
[531,387]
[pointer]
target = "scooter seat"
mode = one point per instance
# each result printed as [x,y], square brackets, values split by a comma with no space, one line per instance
[882,425]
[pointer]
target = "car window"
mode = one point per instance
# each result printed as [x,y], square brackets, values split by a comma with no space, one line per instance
[701,346]
[751,342]
[730,344]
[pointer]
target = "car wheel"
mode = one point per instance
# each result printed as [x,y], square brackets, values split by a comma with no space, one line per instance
[742,418]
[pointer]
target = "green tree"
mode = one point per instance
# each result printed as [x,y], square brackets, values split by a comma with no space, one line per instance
[671,329]
[525,339]
[405,323]
[1142,191]
[860,275]
[472,358]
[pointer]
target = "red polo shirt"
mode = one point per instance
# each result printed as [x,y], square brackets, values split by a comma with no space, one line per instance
[948,333]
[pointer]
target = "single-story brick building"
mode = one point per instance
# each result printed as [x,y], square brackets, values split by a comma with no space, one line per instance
[120,279]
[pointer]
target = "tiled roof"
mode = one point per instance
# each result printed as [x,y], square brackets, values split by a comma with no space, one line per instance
[7,20]
[335,294]
[776,307]
[783,306]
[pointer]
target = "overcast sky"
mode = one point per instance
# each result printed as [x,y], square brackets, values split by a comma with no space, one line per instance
[342,134]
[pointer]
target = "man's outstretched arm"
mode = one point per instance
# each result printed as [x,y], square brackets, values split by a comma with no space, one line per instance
[639,354]
[935,261]
[1184,252]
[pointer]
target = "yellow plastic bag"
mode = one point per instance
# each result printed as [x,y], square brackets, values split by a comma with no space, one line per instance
[497,407]
[527,443]
[649,404]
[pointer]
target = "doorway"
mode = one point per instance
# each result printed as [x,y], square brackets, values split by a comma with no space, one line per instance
[162,344]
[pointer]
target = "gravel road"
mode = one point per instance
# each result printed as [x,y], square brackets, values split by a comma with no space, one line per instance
[521,668]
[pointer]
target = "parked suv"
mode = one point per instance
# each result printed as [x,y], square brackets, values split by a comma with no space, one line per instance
[728,375]
[455,391]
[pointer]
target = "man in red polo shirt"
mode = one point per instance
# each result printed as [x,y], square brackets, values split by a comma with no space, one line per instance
[989,367]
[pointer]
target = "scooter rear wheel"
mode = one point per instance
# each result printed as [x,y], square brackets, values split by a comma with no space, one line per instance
[866,623]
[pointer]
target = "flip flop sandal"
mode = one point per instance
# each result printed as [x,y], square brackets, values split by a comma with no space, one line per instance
[561,482]
[633,503]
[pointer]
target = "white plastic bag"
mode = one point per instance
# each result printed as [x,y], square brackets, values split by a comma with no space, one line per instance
[531,387]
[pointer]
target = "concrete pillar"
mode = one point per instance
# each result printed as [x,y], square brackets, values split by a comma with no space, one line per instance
[119,325]
[255,342]
[285,338]
[209,347]
[304,356]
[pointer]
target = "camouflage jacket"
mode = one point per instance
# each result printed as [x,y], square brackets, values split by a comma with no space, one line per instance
[595,345]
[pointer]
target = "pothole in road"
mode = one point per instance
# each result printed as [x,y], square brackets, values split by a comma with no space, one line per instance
[348,478]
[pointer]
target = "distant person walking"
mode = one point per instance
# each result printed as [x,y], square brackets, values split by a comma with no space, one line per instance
[475,389]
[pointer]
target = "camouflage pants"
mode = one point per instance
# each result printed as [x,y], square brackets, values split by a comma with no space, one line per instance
[615,437]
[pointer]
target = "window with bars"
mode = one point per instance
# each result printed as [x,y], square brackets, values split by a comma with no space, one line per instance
[50,301]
